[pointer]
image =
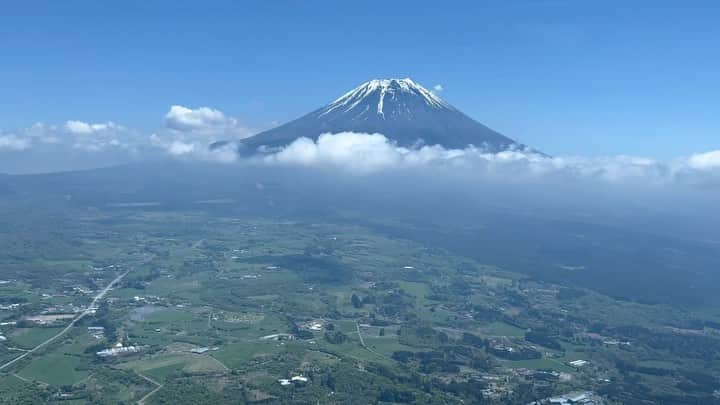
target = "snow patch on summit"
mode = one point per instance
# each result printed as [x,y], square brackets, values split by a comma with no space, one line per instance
[390,89]
[381,102]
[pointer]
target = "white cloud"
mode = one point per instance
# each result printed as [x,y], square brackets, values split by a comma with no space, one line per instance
[354,153]
[368,153]
[705,161]
[204,121]
[437,88]
[194,149]
[71,145]
[13,142]
[186,119]
[357,152]
[179,148]
[78,127]
[372,153]
[84,128]
[189,134]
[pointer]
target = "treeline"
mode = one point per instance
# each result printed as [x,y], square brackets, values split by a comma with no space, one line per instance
[682,345]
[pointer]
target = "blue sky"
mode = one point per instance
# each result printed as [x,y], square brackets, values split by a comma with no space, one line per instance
[566,77]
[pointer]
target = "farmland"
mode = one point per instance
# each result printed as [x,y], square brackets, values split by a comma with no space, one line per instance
[224,306]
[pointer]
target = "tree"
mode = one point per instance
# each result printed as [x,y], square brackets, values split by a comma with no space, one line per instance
[356,301]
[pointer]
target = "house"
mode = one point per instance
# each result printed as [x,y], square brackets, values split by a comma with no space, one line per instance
[574,398]
[298,379]
[119,350]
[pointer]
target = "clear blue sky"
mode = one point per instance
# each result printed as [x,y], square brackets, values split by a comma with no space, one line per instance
[567,77]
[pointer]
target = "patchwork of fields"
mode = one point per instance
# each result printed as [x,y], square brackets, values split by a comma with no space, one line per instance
[217,307]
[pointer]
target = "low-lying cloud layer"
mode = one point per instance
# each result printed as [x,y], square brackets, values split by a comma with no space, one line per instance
[365,154]
[190,132]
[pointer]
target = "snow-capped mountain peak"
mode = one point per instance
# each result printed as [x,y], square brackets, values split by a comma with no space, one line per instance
[396,95]
[405,112]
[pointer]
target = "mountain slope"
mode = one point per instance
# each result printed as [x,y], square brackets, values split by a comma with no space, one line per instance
[400,109]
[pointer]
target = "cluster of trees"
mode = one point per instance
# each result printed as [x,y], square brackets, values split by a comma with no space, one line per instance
[186,391]
[688,380]
[140,280]
[682,345]
[294,329]
[335,337]
[566,294]
[631,390]
[487,314]
[626,366]
[474,340]
[397,396]
[378,383]
[422,335]
[447,359]
[358,302]
[24,394]
[11,299]
[457,287]
[103,318]
[395,304]
[543,339]
[432,361]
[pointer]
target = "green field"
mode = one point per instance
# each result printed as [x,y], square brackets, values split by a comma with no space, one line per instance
[27,338]
[504,329]
[63,365]
[160,367]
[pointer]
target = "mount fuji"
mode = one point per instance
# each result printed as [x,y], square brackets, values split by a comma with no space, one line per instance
[402,110]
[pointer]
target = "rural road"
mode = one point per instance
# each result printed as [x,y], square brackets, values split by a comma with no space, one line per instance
[84,313]
[362,342]
[156,389]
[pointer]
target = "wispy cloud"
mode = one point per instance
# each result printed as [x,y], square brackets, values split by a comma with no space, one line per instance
[84,128]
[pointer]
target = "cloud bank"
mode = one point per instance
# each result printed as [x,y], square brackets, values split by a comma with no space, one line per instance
[195,134]
[366,154]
